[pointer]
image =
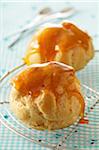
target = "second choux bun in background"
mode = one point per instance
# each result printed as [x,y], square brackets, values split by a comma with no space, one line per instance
[64,43]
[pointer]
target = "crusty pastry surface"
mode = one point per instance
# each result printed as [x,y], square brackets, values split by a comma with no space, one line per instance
[64,43]
[47,96]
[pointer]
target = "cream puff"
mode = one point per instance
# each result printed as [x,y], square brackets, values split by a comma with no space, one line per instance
[65,43]
[47,96]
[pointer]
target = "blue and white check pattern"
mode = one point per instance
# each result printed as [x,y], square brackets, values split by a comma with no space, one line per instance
[15,15]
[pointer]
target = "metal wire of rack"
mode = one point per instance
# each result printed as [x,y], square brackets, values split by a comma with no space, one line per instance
[77,136]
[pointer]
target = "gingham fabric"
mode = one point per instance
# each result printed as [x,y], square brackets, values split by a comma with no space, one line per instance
[13,16]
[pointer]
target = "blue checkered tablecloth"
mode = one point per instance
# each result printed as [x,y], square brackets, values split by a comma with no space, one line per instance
[13,16]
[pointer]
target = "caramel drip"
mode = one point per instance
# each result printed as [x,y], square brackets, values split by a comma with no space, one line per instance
[47,41]
[65,37]
[81,100]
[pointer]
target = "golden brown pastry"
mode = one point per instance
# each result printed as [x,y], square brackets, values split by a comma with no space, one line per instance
[65,43]
[47,96]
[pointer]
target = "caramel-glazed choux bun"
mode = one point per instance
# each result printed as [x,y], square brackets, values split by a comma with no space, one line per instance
[47,96]
[64,43]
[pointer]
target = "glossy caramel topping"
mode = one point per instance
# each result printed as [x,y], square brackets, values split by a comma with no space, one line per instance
[33,79]
[65,37]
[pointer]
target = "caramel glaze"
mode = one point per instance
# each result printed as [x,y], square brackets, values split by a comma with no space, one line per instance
[66,37]
[47,77]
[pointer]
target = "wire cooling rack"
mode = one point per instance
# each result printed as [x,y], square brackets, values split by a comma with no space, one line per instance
[77,136]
